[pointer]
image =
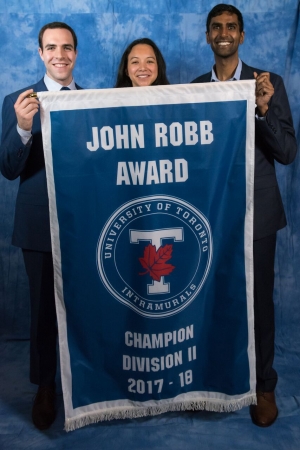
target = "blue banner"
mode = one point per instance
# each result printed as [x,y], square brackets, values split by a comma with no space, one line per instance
[151,205]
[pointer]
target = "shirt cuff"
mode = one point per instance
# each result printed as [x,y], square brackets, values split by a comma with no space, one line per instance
[24,135]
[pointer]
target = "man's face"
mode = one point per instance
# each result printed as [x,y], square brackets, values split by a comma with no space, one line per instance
[224,35]
[58,54]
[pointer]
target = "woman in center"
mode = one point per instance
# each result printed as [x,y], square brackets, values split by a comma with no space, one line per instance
[142,64]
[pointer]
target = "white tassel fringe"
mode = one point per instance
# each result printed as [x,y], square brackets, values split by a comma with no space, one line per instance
[135,412]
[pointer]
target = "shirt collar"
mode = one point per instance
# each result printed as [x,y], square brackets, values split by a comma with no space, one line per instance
[236,76]
[52,85]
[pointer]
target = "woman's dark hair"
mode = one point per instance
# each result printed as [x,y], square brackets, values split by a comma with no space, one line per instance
[123,79]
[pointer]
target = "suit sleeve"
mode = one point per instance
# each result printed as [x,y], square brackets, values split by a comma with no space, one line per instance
[13,153]
[276,134]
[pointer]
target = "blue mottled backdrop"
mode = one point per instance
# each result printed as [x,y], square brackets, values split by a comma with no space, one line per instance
[104,29]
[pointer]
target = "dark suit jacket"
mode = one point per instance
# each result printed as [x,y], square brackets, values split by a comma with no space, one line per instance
[32,224]
[274,141]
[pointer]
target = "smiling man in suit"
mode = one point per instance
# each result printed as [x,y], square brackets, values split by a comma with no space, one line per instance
[274,141]
[21,155]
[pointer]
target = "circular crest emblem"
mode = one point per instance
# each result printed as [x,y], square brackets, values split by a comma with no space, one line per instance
[154,254]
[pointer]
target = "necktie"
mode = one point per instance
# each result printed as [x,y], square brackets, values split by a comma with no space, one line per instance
[64,88]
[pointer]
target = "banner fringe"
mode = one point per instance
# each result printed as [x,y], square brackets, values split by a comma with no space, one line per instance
[136,412]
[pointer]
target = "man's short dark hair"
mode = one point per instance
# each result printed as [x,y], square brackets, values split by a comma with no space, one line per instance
[219,9]
[52,26]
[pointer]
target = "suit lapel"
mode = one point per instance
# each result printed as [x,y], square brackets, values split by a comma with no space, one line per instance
[247,72]
[40,86]
[207,77]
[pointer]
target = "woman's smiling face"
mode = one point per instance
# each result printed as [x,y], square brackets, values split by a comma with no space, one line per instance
[142,66]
